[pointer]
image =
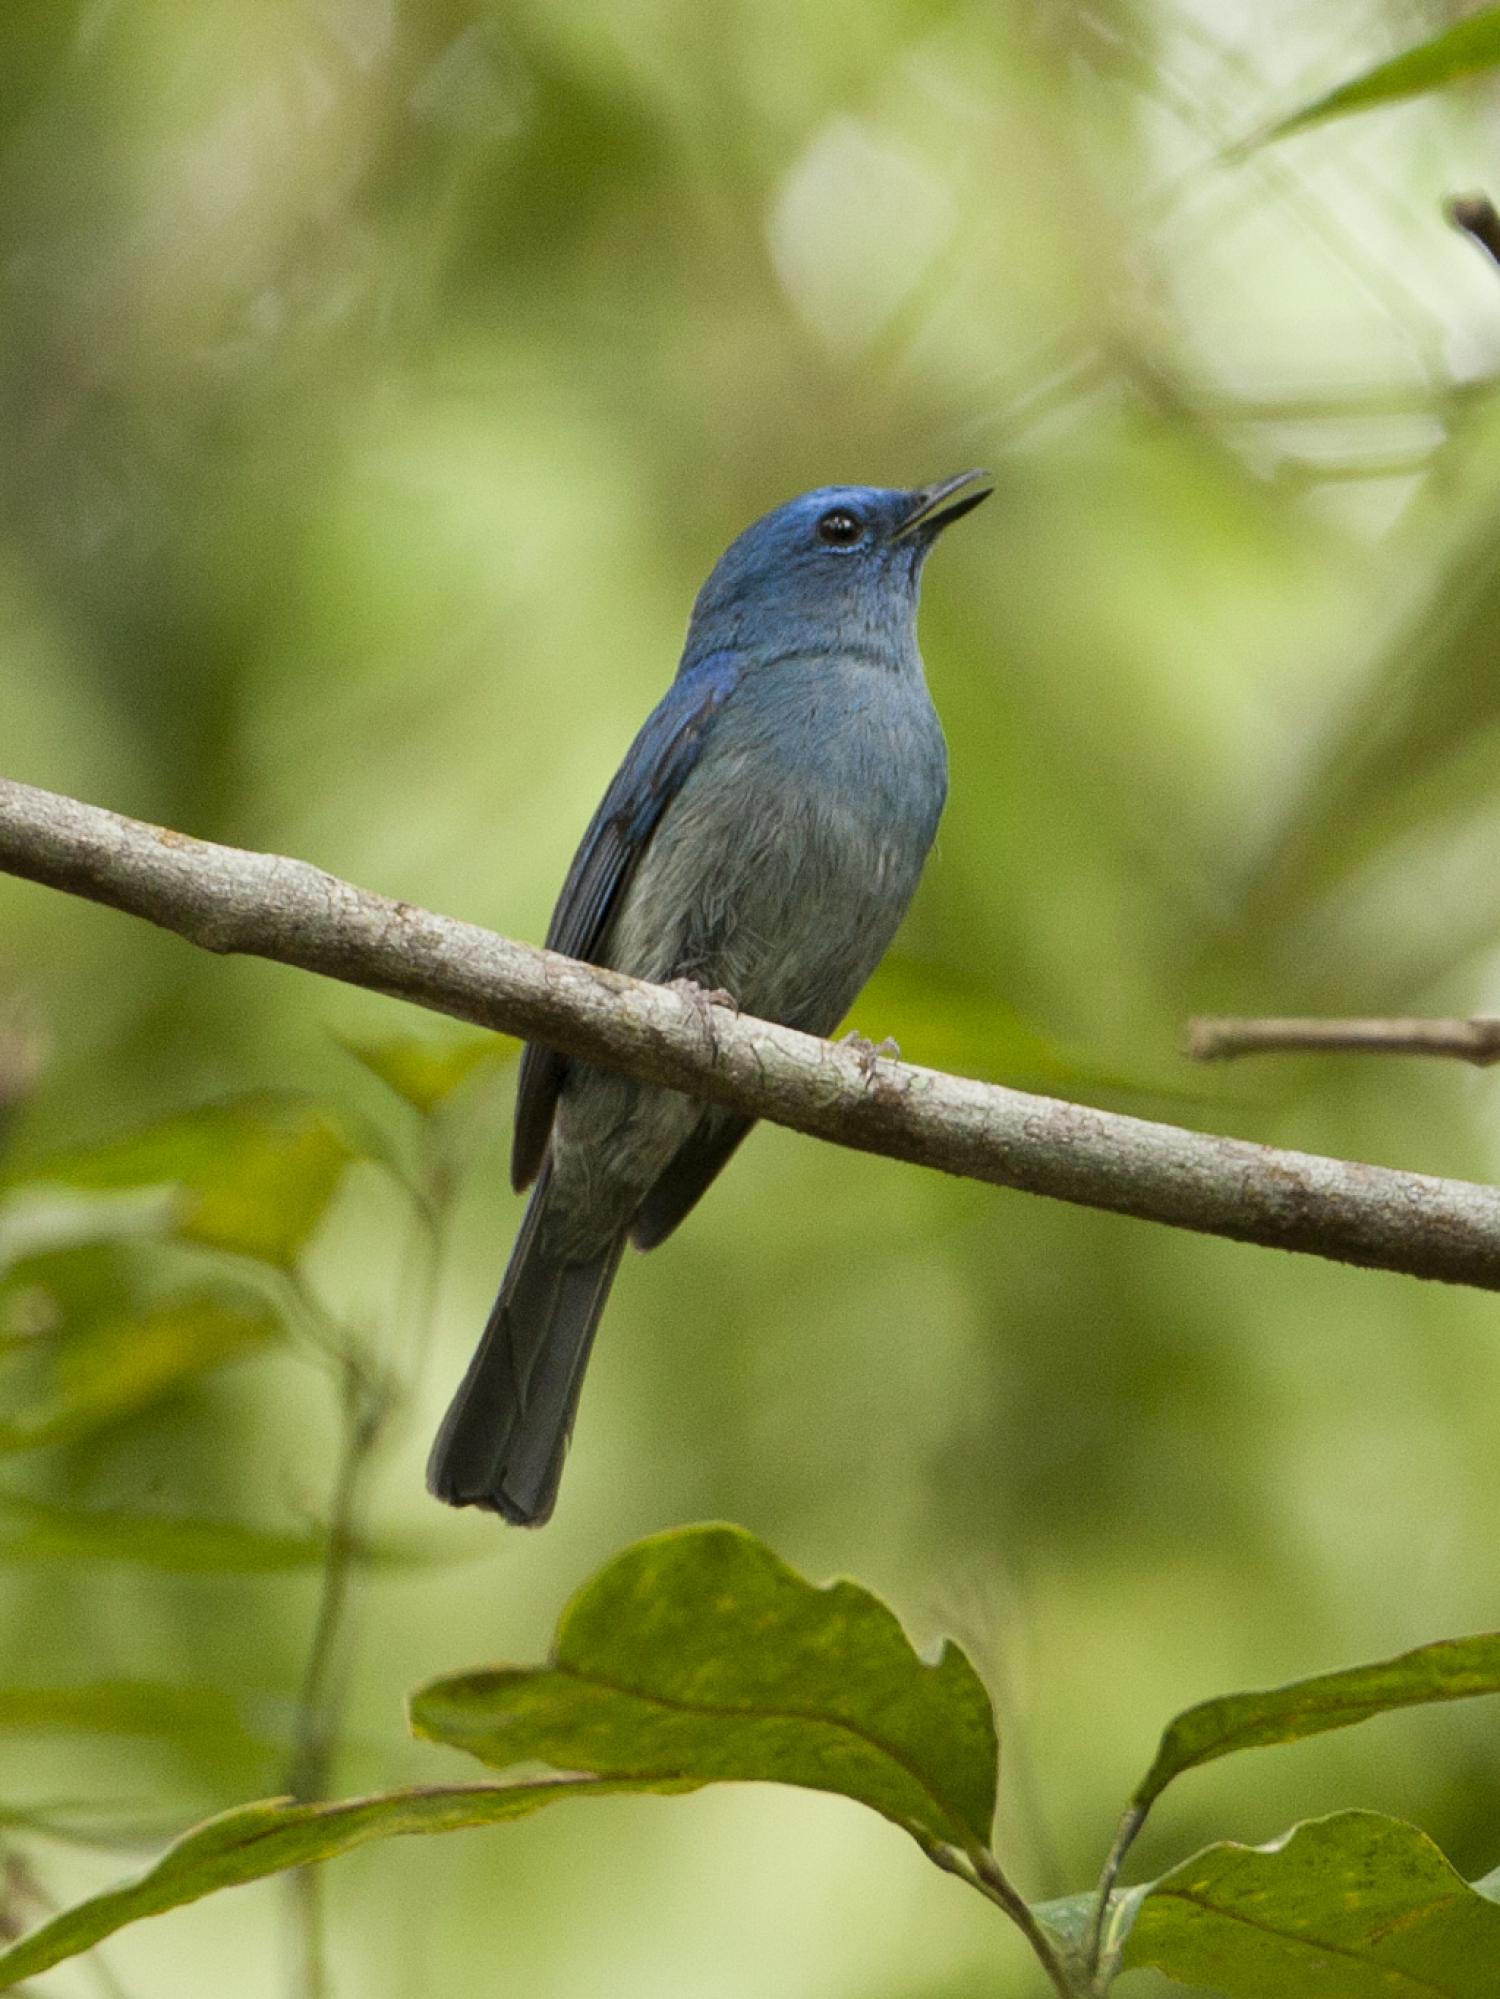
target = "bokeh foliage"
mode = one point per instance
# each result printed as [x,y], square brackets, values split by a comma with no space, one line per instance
[380,380]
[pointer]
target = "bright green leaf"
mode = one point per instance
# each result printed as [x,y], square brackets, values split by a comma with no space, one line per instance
[423,1069]
[254,1841]
[33,1532]
[698,1648]
[255,1175]
[56,1388]
[1356,1906]
[64,1290]
[1465,49]
[1453,1669]
[697,1657]
[120,1707]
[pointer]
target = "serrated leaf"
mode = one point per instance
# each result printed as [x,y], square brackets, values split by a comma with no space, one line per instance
[53,1389]
[255,1175]
[742,1670]
[698,1657]
[1452,1669]
[1467,48]
[1356,1906]
[254,1841]
[423,1069]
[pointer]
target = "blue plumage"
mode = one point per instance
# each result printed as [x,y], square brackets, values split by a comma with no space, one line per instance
[764,835]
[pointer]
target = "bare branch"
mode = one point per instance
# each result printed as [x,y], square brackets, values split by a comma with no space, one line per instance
[1222,1040]
[228,900]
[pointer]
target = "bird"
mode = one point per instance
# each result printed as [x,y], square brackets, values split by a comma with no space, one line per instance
[761,841]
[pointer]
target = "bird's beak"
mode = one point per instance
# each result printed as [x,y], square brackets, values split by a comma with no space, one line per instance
[931,511]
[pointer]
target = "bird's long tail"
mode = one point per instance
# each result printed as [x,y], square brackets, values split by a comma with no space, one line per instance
[502,1442]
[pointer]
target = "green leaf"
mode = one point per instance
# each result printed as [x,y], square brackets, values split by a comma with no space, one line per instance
[693,1657]
[48,1294]
[698,1657]
[1467,48]
[257,1840]
[33,1532]
[255,1175]
[40,1222]
[1356,1906]
[424,1070]
[1453,1669]
[53,1389]
[121,1707]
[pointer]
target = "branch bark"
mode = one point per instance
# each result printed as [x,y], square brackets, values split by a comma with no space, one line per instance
[1223,1039]
[227,900]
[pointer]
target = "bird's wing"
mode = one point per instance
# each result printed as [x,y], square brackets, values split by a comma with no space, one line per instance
[655,766]
[699,1161]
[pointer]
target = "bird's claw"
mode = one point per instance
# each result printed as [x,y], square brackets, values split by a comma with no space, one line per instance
[700,1002]
[702,997]
[868,1053]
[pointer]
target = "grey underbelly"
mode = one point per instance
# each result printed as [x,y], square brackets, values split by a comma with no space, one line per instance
[790,918]
[780,878]
[790,924]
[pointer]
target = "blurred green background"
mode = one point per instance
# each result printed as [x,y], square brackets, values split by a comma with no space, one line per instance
[379,380]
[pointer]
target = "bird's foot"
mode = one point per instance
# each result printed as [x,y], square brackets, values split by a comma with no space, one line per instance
[868,1053]
[700,1002]
[702,997]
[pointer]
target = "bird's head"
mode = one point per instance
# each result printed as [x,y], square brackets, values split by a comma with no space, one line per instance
[843,561]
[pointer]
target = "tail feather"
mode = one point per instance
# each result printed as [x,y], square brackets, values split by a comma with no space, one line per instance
[502,1442]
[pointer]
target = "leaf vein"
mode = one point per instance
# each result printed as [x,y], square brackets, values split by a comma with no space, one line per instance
[680,1705]
[1420,1986]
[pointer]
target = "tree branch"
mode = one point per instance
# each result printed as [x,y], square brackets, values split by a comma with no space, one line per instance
[1222,1040]
[227,900]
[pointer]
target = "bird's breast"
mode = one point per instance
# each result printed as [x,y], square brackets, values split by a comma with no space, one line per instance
[784,866]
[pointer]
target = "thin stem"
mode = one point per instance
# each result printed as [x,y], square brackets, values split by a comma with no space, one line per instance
[432,1208]
[305,1889]
[318,1702]
[366,1401]
[1476,1040]
[1130,1824]
[363,1417]
[983,1871]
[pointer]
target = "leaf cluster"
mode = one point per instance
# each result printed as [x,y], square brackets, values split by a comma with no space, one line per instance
[697,1657]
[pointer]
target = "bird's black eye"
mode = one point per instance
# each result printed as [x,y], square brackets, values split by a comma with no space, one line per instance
[839,528]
